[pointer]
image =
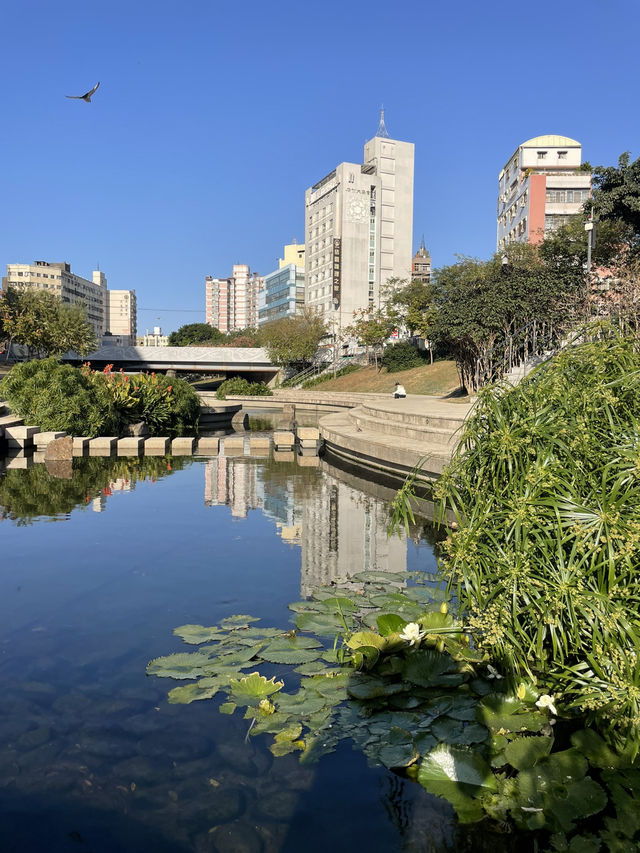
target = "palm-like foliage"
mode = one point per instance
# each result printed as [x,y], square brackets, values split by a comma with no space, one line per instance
[546,490]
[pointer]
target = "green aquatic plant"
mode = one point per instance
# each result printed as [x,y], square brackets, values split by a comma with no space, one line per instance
[545,488]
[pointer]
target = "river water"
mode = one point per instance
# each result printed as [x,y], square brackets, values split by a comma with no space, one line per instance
[96,570]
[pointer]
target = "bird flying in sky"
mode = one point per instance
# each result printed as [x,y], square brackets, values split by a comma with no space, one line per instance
[87,95]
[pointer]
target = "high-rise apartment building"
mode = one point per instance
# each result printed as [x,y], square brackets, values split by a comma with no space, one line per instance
[541,187]
[358,228]
[232,303]
[421,264]
[283,292]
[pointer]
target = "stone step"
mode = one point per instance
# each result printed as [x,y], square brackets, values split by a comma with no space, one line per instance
[436,420]
[427,434]
[20,435]
[42,439]
[10,421]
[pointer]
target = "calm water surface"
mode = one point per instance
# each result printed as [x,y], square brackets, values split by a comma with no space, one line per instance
[95,573]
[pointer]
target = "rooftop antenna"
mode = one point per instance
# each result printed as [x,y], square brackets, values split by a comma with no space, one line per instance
[382,130]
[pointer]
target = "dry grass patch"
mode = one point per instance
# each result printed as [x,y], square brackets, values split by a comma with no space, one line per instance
[433,379]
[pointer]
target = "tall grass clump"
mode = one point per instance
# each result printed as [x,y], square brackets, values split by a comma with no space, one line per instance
[545,486]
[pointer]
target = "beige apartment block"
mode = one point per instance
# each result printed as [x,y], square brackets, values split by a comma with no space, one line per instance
[542,186]
[358,229]
[58,279]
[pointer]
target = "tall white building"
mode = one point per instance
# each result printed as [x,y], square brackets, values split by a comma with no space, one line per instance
[121,315]
[540,188]
[232,303]
[358,228]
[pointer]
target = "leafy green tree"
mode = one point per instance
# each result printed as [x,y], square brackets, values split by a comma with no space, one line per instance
[411,304]
[195,333]
[372,326]
[616,196]
[293,340]
[43,323]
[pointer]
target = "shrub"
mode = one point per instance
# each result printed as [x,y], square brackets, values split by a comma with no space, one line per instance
[166,404]
[56,396]
[545,489]
[325,377]
[241,387]
[403,356]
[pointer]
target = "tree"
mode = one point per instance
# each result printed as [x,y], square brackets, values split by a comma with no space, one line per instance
[616,196]
[194,334]
[372,327]
[293,340]
[43,323]
[411,304]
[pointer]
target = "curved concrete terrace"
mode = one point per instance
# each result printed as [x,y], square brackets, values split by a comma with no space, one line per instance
[378,433]
[393,436]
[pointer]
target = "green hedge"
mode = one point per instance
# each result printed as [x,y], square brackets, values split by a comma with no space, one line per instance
[403,356]
[85,402]
[241,387]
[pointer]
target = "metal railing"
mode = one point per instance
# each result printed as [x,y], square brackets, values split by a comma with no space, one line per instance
[525,347]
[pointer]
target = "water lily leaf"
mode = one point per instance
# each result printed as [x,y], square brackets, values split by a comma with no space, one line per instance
[460,776]
[292,655]
[583,799]
[317,746]
[375,576]
[331,687]
[425,742]
[270,724]
[390,623]
[181,665]
[227,707]
[241,654]
[398,750]
[366,638]
[302,703]
[426,668]
[196,634]
[338,604]
[462,707]
[524,752]
[322,624]
[447,730]
[291,732]
[191,692]
[369,687]
[240,620]
[498,712]
[316,667]
[251,689]
[597,751]
[462,766]
[248,635]
[284,747]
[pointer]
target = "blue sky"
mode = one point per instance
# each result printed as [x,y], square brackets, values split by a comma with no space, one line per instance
[212,118]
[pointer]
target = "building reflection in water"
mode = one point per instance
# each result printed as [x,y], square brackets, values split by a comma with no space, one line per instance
[339,529]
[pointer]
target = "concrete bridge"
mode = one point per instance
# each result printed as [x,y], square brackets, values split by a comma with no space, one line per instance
[248,362]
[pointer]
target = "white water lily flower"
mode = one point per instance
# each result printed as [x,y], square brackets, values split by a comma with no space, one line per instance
[493,672]
[412,633]
[546,701]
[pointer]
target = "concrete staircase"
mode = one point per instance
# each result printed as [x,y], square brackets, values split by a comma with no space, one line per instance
[393,436]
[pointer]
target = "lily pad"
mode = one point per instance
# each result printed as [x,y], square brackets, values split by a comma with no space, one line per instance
[524,752]
[192,692]
[366,638]
[462,766]
[369,687]
[181,665]
[240,620]
[251,689]
[390,623]
[322,624]
[196,634]
[398,749]
[302,703]
[426,668]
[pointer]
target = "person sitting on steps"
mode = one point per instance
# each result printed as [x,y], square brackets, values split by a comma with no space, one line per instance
[399,391]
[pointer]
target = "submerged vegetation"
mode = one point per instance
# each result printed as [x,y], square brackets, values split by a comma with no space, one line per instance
[522,710]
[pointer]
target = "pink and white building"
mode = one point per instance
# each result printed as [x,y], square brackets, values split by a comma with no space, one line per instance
[232,303]
[542,186]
